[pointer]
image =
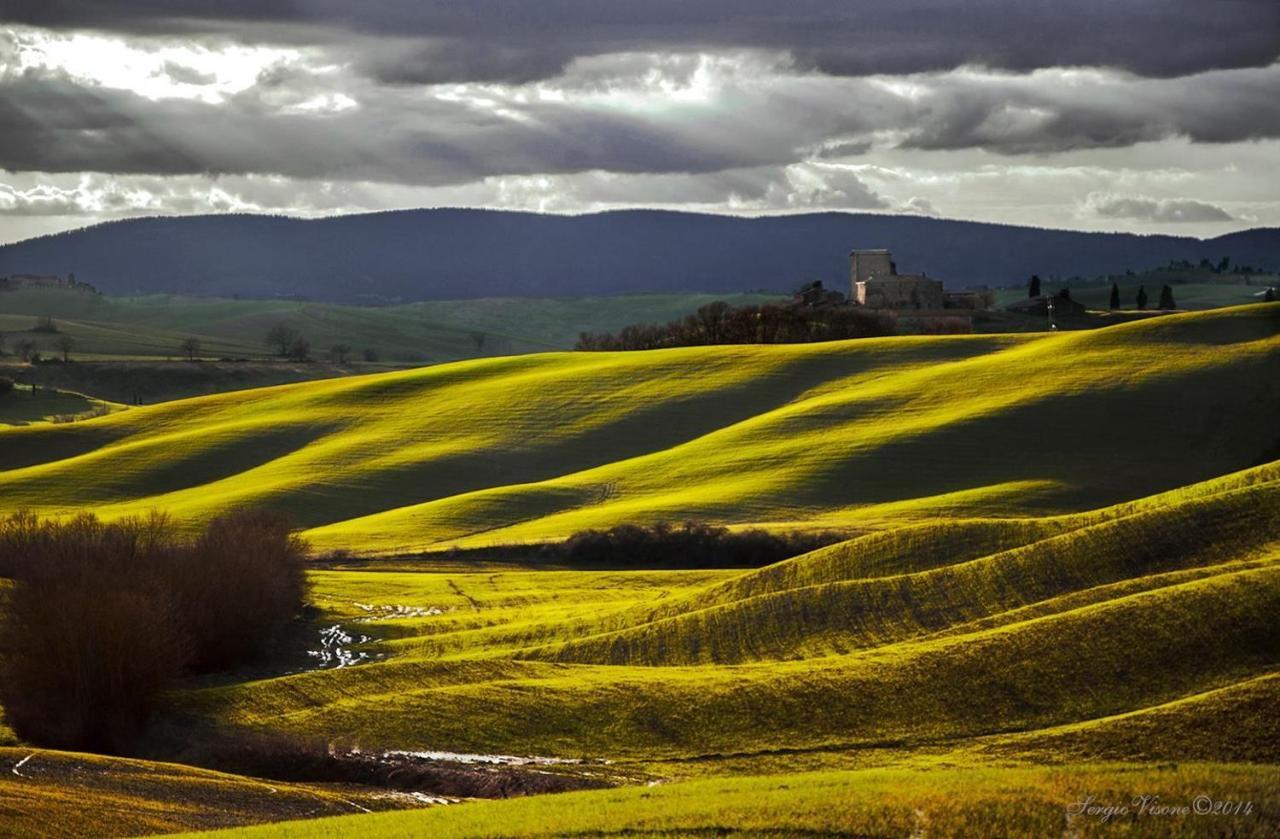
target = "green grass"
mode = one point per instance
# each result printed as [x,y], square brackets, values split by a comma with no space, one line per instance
[23,405]
[1133,650]
[802,618]
[868,433]
[1194,296]
[1057,627]
[1069,553]
[69,794]
[953,802]
[155,326]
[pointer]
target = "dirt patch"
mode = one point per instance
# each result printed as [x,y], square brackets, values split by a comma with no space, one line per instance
[427,774]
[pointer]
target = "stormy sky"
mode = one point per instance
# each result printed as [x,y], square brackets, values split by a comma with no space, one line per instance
[1135,115]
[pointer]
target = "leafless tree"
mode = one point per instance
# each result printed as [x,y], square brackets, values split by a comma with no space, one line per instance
[282,337]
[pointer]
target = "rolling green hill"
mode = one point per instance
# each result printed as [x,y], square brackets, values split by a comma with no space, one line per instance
[69,794]
[866,433]
[942,651]
[878,662]
[445,330]
[1068,553]
[879,802]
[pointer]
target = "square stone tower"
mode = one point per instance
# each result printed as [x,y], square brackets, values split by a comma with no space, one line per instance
[877,284]
[868,264]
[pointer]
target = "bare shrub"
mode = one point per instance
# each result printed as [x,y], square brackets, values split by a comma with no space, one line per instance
[86,645]
[103,617]
[240,583]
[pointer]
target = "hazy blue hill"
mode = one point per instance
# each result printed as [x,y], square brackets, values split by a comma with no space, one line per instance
[451,254]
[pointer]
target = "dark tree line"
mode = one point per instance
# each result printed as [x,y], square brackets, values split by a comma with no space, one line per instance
[720,323]
[689,545]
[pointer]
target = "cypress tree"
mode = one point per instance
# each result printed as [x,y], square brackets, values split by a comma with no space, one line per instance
[1033,286]
[1142,297]
[1115,296]
[1166,298]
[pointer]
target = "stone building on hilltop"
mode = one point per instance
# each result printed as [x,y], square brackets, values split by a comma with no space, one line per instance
[878,285]
[915,302]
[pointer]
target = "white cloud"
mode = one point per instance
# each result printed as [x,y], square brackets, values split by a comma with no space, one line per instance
[918,206]
[1143,208]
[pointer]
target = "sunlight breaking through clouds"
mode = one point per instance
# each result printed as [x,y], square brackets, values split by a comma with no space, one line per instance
[149,68]
[204,113]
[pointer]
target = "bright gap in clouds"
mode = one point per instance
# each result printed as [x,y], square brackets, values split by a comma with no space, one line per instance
[207,72]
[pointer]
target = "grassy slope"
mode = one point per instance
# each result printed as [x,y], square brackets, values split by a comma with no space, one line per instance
[434,331]
[148,382]
[1151,548]
[1188,295]
[878,802]
[70,794]
[1124,632]
[873,432]
[1119,612]
[22,405]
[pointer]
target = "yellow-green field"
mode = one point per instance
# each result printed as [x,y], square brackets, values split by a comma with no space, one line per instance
[1062,578]
[972,676]
[1046,625]
[1033,802]
[433,331]
[24,405]
[867,433]
[48,793]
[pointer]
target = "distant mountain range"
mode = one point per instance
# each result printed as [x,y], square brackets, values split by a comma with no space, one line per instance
[452,253]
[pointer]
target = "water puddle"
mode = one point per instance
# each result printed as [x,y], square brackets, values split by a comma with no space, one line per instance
[492,760]
[421,799]
[336,649]
[379,612]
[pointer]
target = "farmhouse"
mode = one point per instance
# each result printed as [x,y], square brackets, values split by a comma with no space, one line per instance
[17,282]
[1061,303]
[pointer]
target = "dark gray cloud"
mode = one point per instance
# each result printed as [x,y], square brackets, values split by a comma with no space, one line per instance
[54,123]
[182,74]
[621,114]
[519,40]
[1164,210]
[1053,111]
[565,105]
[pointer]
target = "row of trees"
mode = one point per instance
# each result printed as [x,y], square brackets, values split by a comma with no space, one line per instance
[288,343]
[720,323]
[1140,299]
[689,545]
[1222,266]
